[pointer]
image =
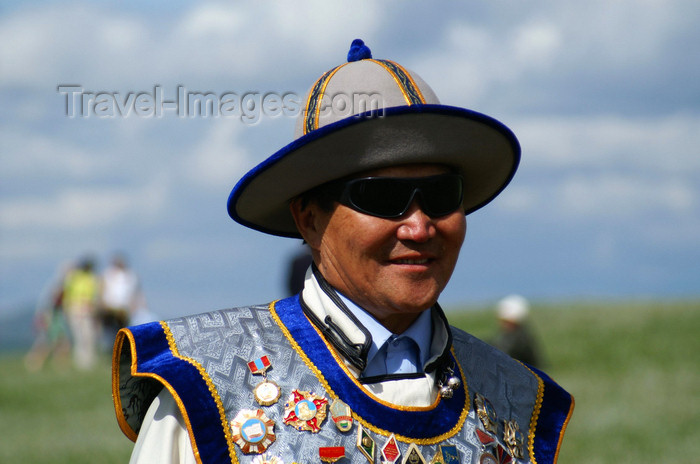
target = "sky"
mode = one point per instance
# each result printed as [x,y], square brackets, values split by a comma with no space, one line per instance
[603,96]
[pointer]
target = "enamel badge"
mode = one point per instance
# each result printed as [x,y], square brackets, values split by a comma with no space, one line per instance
[513,438]
[331,453]
[486,413]
[413,456]
[390,450]
[446,454]
[253,431]
[267,392]
[341,415]
[366,444]
[485,438]
[503,456]
[305,411]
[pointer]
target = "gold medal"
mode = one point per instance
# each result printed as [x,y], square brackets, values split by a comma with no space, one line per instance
[341,415]
[366,444]
[253,431]
[267,392]
[486,413]
[513,438]
[413,456]
[305,411]
[267,459]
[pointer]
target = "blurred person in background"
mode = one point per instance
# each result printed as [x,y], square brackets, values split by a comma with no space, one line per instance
[52,339]
[515,336]
[120,297]
[80,298]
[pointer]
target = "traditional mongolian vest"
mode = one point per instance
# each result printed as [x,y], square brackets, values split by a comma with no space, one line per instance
[226,369]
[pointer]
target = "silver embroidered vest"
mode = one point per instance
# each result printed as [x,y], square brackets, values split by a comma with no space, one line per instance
[503,411]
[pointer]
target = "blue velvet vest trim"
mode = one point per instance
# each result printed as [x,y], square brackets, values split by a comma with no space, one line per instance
[183,379]
[556,409]
[420,424]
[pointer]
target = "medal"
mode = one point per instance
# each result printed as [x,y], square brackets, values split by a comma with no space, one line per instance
[513,438]
[446,454]
[341,415]
[366,444]
[485,438]
[488,458]
[503,456]
[331,453]
[267,459]
[305,411]
[413,456]
[486,413]
[252,431]
[267,392]
[390,450]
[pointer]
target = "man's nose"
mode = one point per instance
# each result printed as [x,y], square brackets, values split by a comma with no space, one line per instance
[415,225]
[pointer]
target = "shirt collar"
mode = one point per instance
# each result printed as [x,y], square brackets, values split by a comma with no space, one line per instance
[421,331]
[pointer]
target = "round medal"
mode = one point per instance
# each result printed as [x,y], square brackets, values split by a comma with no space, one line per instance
[253,431]
[267,459]
[267,393]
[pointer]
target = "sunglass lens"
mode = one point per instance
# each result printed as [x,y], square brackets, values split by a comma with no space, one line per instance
[441,195]
[381,197]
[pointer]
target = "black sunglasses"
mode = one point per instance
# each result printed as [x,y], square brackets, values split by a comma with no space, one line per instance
[390,197]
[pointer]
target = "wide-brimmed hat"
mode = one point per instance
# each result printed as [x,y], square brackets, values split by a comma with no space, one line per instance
[367,114]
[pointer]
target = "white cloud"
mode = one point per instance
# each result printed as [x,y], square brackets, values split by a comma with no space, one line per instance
[219,159]
[79,209]
[665,144]
[536,44]
[616,196]
[31,154]
[40,47]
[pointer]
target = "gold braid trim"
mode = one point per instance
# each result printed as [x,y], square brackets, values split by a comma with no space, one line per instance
[400,84]
[535,416]
[333,395]
[212,389]
[563,429]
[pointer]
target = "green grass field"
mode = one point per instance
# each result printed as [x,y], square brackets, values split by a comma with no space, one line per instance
[633,369]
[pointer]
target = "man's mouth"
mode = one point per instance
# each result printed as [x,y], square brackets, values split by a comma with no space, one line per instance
[412,261]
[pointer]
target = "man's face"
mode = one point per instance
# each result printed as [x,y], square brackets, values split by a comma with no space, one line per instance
[393,268]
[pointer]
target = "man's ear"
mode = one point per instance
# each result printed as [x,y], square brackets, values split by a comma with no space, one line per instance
[308,221]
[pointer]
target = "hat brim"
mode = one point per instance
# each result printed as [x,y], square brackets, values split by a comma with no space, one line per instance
[484,151]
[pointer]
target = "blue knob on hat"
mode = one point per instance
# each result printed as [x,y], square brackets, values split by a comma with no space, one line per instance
[359,51]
